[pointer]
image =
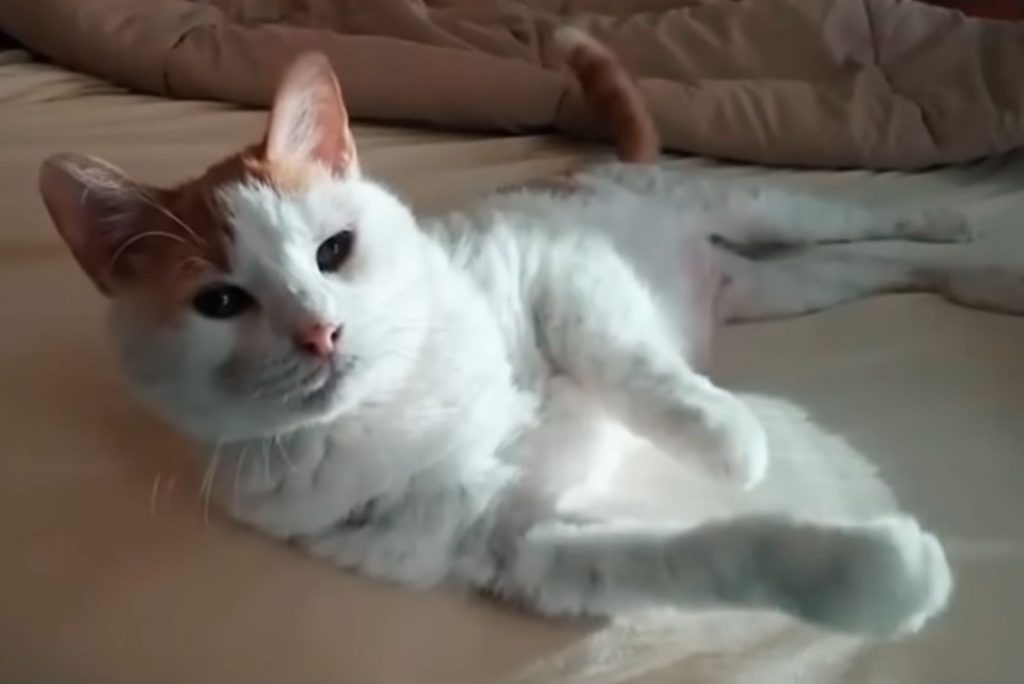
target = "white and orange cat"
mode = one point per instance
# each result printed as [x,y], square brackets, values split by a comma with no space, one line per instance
[419,380]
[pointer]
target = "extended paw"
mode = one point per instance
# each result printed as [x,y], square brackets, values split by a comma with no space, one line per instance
[885,579]
[738,443]
[722,432]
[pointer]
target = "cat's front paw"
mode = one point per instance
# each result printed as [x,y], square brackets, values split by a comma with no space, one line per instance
[696,420]
[731,440]
[887,578]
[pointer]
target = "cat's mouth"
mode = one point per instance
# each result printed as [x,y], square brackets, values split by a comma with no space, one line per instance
[320,388]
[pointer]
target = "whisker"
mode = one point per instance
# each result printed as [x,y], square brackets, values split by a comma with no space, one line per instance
[206,487]
[170,485]
[239,465]
[266,464]
[430,327]
[140,236]
[193,260]
[153,493]
[284,453]
[169,214]
[393,353]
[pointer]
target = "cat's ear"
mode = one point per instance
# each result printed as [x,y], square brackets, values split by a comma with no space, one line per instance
[309,122]
[96,209]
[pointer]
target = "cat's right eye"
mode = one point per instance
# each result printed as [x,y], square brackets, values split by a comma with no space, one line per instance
[222,301]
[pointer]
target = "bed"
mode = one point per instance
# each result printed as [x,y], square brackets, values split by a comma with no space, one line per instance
[114,571]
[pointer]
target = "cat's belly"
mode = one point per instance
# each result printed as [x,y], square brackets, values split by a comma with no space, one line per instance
[571,438]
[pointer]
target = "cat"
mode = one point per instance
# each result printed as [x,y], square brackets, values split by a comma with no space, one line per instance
[416,385]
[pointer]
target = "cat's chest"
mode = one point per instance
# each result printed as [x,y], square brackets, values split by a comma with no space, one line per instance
[501,283]
[303,482]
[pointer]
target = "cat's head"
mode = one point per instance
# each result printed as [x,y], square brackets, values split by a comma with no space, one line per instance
[279,288]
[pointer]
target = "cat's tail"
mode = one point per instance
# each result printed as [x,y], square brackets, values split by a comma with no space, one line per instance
[611,93]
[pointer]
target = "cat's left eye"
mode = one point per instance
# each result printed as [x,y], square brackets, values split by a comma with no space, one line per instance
[334,251]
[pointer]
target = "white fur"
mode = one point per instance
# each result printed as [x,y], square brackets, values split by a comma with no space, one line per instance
[491,362]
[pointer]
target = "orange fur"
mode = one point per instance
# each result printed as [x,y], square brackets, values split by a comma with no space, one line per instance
[168,275]
[611,93]
[285,175]
[162,245]
[174,272]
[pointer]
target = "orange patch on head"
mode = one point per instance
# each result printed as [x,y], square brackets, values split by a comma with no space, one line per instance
[130,237]
[288,176]
[182,240]
[164,244]
[193,212]
[180,237]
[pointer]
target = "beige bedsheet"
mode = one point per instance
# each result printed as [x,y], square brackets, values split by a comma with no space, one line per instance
[885,84]
[110,574]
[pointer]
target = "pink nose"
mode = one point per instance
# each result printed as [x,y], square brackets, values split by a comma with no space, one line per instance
[318,339]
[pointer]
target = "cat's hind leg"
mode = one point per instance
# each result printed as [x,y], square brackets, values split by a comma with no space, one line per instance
[758,223]
[775,216]
[807,280]
[880,578]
